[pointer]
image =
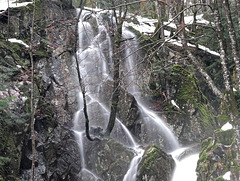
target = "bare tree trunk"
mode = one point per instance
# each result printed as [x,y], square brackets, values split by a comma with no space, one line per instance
[229,92]
[223,55]
[160,11]
[116,79]
[82,87]
[8,21]
[207,78]
[178,7]
[233,41]
[116,75]
[32,96]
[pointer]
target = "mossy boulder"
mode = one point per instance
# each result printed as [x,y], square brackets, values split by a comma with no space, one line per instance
[217,158]
[193,118]
[156,165]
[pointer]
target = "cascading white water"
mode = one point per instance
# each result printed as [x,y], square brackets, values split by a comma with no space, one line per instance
[131,62]
[95,61]
[93,47]
[185,169]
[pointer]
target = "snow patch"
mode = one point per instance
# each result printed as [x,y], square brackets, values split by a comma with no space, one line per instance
[145,26]
[174,103]
[199,19]
[170,24]
[12,4]
[14,40]
[208,50]
[226,176]
[226,126]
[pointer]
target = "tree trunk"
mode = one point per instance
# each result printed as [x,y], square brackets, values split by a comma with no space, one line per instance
[161,14]
[223,56]
[82,87]
[32,97]
[8,21]
[178,7]
[238,12]
[233,41]
[116,60]
[116,79]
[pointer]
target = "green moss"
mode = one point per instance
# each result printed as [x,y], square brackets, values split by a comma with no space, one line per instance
[150,156]
[188,93]
[228,107]
[13,48]
[225,137]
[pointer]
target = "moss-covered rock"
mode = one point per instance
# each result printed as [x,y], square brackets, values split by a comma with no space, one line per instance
[193,119]
[156,165]
[217,157]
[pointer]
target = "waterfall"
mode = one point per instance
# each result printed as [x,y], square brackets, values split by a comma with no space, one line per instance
[185,168]
[95,62]
[131,64]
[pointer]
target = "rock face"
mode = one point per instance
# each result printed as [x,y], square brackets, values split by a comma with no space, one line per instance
[57,151]
[155,165]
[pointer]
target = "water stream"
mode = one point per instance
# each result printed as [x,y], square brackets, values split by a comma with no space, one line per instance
[95,61]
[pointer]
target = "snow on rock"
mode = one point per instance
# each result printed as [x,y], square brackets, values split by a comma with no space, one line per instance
[12,4]
[226,126]
[174,103]
[226,176]
[14,40]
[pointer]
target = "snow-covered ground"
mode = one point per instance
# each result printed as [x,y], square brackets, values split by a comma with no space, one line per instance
[145,25]
[189,20]
[4,4]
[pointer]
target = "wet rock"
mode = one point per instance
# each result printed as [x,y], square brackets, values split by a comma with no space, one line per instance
[189,151]
[128,111]
[57,159]
[156,165]
[108,159]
